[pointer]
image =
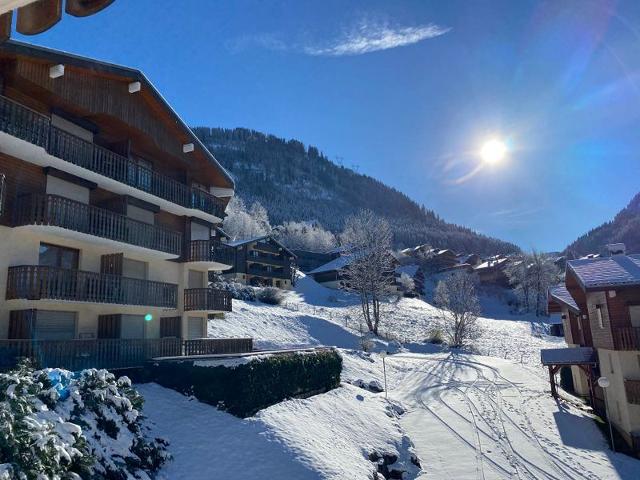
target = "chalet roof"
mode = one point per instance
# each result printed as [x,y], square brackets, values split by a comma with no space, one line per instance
[603,272]
[560,294]
[335,264]
[491,264]
[568,356]
[244,241]
[132,74]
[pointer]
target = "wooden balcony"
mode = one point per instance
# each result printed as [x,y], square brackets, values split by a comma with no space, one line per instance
[263,272]
[56,211]
[210,251]
[112,353]
[207,299]
[35,282]
[30,126]
[632,389]
[626,338]
[269,260]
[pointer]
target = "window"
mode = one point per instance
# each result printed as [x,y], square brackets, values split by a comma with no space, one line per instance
[132,326]
[56,256]
[195,328]
[140,173]
[51,325]
[134,269]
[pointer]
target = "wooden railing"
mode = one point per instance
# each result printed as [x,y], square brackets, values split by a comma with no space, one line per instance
[35,282]
[56,211]
[207,299]
[269,260]
[263,272]
[626,338]
[112,353]
[28,125]
[213,346]
[632,389]
[210,251]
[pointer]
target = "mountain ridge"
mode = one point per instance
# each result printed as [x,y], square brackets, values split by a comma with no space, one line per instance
[294,182]
[623,228]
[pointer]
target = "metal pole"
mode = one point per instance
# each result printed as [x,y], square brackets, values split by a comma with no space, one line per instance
[606,409]
[384,369]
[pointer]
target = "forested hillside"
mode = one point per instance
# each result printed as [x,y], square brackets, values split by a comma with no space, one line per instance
[298,183]
[625,228]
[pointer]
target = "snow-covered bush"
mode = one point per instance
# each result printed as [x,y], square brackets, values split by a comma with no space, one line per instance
[55,424]
[270,295]
[238,291]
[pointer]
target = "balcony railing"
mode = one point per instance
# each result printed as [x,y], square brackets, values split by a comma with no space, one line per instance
[56,211]
[207,299]
[112,353]
[268,260]
[632,389]
[37,282]
[28,125]
[210,251]
[263,272]
[3,182]
[626,338]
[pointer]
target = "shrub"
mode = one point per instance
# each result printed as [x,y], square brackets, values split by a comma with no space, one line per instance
[244,389]
[436,336]
[238,291]
[56,424]
[270,295]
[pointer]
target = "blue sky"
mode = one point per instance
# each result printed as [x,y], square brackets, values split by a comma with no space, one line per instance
[408,92]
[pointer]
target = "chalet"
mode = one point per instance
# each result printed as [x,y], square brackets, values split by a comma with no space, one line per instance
[492,271]
[109,202]
[472,259]
[307,260]
[600,305]
[261,261]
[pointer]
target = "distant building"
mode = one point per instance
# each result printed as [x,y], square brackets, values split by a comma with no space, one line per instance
[308,260]
[492,271]
[261,261]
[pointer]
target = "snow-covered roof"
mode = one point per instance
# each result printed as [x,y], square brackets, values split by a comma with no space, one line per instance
[335,264]
[568,356]
[560,294]
[618,270]
[491,263]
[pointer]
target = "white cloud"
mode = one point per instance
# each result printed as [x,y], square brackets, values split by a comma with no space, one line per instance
[373,37]
[365,38]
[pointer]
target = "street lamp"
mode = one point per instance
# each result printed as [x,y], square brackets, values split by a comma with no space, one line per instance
[604,383]
[384,369]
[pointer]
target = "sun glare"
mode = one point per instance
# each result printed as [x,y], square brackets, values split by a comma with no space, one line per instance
[493,152]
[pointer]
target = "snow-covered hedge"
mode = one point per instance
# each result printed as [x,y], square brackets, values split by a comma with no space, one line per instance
[55,424]
[245,388]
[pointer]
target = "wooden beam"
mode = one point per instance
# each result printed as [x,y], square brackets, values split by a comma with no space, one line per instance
[552,381]
[84,8]
[5,26]
[38,16]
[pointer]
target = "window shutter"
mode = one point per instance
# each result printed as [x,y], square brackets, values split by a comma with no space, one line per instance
[21,323]
[109,326]
[112,263]
[170,327]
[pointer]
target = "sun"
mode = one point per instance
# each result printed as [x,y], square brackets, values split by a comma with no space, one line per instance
[493,152]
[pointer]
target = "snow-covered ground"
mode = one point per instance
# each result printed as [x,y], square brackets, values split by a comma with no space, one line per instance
[464,415]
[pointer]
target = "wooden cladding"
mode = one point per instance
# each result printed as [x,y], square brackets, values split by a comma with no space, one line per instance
[28,125]
[56,211]
[210,251]
[626,338]
[632,389]
[34,282]
[214,346]
[208,299]
[109,326]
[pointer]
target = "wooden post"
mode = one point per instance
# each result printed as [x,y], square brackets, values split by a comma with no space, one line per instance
[552,380]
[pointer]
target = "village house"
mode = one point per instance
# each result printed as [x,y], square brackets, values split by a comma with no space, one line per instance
[492,271]
[600,306]
[261,261]
[108,207]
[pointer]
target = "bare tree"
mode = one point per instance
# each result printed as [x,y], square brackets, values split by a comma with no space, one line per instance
[459,306]
[370,272]
[531,275]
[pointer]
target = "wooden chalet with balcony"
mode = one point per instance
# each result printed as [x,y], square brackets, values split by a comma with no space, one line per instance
[261,261]
[108,211]
[600,307]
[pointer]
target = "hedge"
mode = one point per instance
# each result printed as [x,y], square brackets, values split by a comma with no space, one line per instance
[247,388]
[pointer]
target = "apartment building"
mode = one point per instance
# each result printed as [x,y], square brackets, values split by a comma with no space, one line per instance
[600,305]
[107,211]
